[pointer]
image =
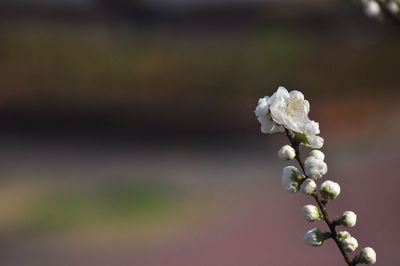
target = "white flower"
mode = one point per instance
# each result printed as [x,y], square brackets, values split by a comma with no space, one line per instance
[348,219]
[372,9]
[317,154]
[330,190]
[308,187]
[315,168]
[367,256]
[287,153]
[349,244]
[268,126]
[290,178]
[311,213]
[289,109]
[314,237]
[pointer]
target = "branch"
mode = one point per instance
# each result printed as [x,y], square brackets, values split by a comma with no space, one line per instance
[321,204]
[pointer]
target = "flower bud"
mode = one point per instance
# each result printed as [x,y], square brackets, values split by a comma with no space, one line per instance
[372,9]
[290,178]
[287,153]
[315,168]
[330,190]
[317,154]
[367,256]
[393,7]
[342,235]
[314,237]
[348,242]
[348,219]
[308,187]
[315,142]
[311,213]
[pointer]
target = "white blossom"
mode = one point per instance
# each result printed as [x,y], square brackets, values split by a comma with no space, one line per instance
[287,153]
[311,213]
[349,244]
[317,154]
[290,179]
[308,187]
[367,256]
[348,219]
[330,190]
[315,237]
[372,9]
[289,109]
[315,168]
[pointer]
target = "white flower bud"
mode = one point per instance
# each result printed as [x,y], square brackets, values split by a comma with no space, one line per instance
[287,153]
[372,9]
[315,168]
[311,213]
[330,190]
[393,7]
[348,219]
[290,179]
[308,187]
[314,141]
[349,244]
[367,256]
[342,235]
[317,154]
[314,237]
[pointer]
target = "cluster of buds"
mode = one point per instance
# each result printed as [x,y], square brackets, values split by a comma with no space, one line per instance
[288,112]
[380,9]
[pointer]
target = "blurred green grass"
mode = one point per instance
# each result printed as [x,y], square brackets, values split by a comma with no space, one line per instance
[63,210]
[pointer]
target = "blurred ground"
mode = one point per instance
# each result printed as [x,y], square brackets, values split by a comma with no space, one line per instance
[127,205]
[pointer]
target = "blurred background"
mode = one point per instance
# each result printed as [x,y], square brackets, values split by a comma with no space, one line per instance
[128,135]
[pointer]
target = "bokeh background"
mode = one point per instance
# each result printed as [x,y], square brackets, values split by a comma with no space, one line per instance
[128,135]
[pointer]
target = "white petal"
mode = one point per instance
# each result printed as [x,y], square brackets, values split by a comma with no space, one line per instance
[263,106]
[311,128]
[296,95]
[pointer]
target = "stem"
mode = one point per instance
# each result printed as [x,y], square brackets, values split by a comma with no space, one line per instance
[322,205]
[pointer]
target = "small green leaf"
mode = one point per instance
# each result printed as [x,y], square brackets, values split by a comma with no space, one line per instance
[301,138]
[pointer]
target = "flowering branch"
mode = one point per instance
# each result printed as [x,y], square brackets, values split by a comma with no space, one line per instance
[288,112]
